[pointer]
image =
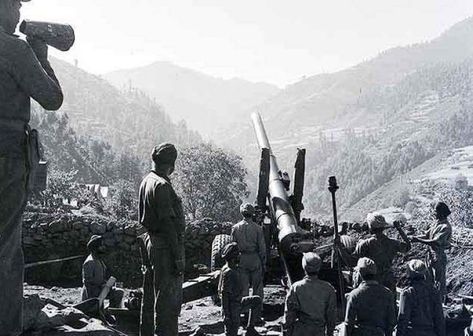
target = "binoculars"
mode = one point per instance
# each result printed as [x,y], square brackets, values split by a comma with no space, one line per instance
[56,35]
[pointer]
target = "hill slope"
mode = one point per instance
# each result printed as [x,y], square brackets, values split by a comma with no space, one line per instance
[130,121]
[204,102]
[373,122]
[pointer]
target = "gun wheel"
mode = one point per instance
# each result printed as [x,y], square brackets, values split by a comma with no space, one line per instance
[216,260]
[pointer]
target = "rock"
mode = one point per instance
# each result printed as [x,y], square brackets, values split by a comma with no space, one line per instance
[28,241]
[109,241]
[57,226]
[129,239]
[32,305]
[51,317]
[97,228]
[130,230]
[77,225]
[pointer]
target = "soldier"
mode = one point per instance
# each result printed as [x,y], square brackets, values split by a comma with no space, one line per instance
[311,307]
[161,213]
[381,249]
[250,239]
[24,72]
[420,306]
[229,289]
[95,274]
[438,238]
[370,307]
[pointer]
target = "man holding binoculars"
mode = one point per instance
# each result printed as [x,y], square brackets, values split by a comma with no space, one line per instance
[24,73]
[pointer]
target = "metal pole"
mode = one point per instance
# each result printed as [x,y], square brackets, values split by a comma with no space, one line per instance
[333,187]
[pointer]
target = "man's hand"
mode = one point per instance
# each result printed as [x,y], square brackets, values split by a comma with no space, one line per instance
[180,266]
[39,47]
[397,224]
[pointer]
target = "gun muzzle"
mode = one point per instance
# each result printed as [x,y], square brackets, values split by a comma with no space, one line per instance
[59,36]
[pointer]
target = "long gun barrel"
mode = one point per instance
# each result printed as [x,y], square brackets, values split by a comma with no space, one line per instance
[289,233]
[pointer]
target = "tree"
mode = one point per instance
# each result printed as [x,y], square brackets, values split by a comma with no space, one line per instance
[123,202]
[211,182]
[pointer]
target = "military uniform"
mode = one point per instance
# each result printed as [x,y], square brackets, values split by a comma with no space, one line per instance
[22,76]
[233,304]
[370,307]
[250,239]
[420,311]
[441,233]
[311,308]
[382,250]
[161,213]
[94,277]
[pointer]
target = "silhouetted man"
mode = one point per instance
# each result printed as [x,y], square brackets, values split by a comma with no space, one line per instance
[161,213]
[24,73]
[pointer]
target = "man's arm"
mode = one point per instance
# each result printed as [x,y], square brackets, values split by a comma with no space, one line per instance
[166,215]
[391,314]
[439,238]
[350,316]
[406,245]
[290,311]
[331,313]
[35,76]
[262,247]
[404,315]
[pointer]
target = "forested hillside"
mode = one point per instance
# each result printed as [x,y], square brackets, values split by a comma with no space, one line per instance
[372,123]
[206,103]
[130,121]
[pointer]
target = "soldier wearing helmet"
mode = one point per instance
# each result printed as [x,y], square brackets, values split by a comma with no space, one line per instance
[420,305]
[371,306]
[311,304]
[250,240]
[380,248]
[438,239]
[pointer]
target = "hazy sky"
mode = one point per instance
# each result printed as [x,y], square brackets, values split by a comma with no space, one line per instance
[277,41]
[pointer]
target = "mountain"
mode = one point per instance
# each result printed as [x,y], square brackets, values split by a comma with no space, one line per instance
[331,99]
[130,121]
[372,123]
[206,103]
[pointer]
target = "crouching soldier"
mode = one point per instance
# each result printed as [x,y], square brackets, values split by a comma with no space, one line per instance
[370,307]
[95,274]
[420,305]
[311,307]
[229,289]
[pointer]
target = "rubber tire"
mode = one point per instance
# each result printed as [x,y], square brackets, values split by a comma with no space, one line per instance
[216,260]
[219,242]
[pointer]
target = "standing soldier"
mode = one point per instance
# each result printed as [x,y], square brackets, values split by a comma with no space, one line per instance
[161,213]
[370,306]
[311,304]
[250,240]
[381,249]
[420,305]
[24,73]
[438,238]
[233,304]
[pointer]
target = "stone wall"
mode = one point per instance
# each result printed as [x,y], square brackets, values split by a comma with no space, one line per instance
[49,236]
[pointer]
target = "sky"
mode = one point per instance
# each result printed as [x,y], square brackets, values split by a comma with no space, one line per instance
[274,41]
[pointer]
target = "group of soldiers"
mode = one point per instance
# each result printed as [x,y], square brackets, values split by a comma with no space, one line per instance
[311,305]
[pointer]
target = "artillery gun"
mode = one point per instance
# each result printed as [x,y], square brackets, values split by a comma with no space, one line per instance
[280,214]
